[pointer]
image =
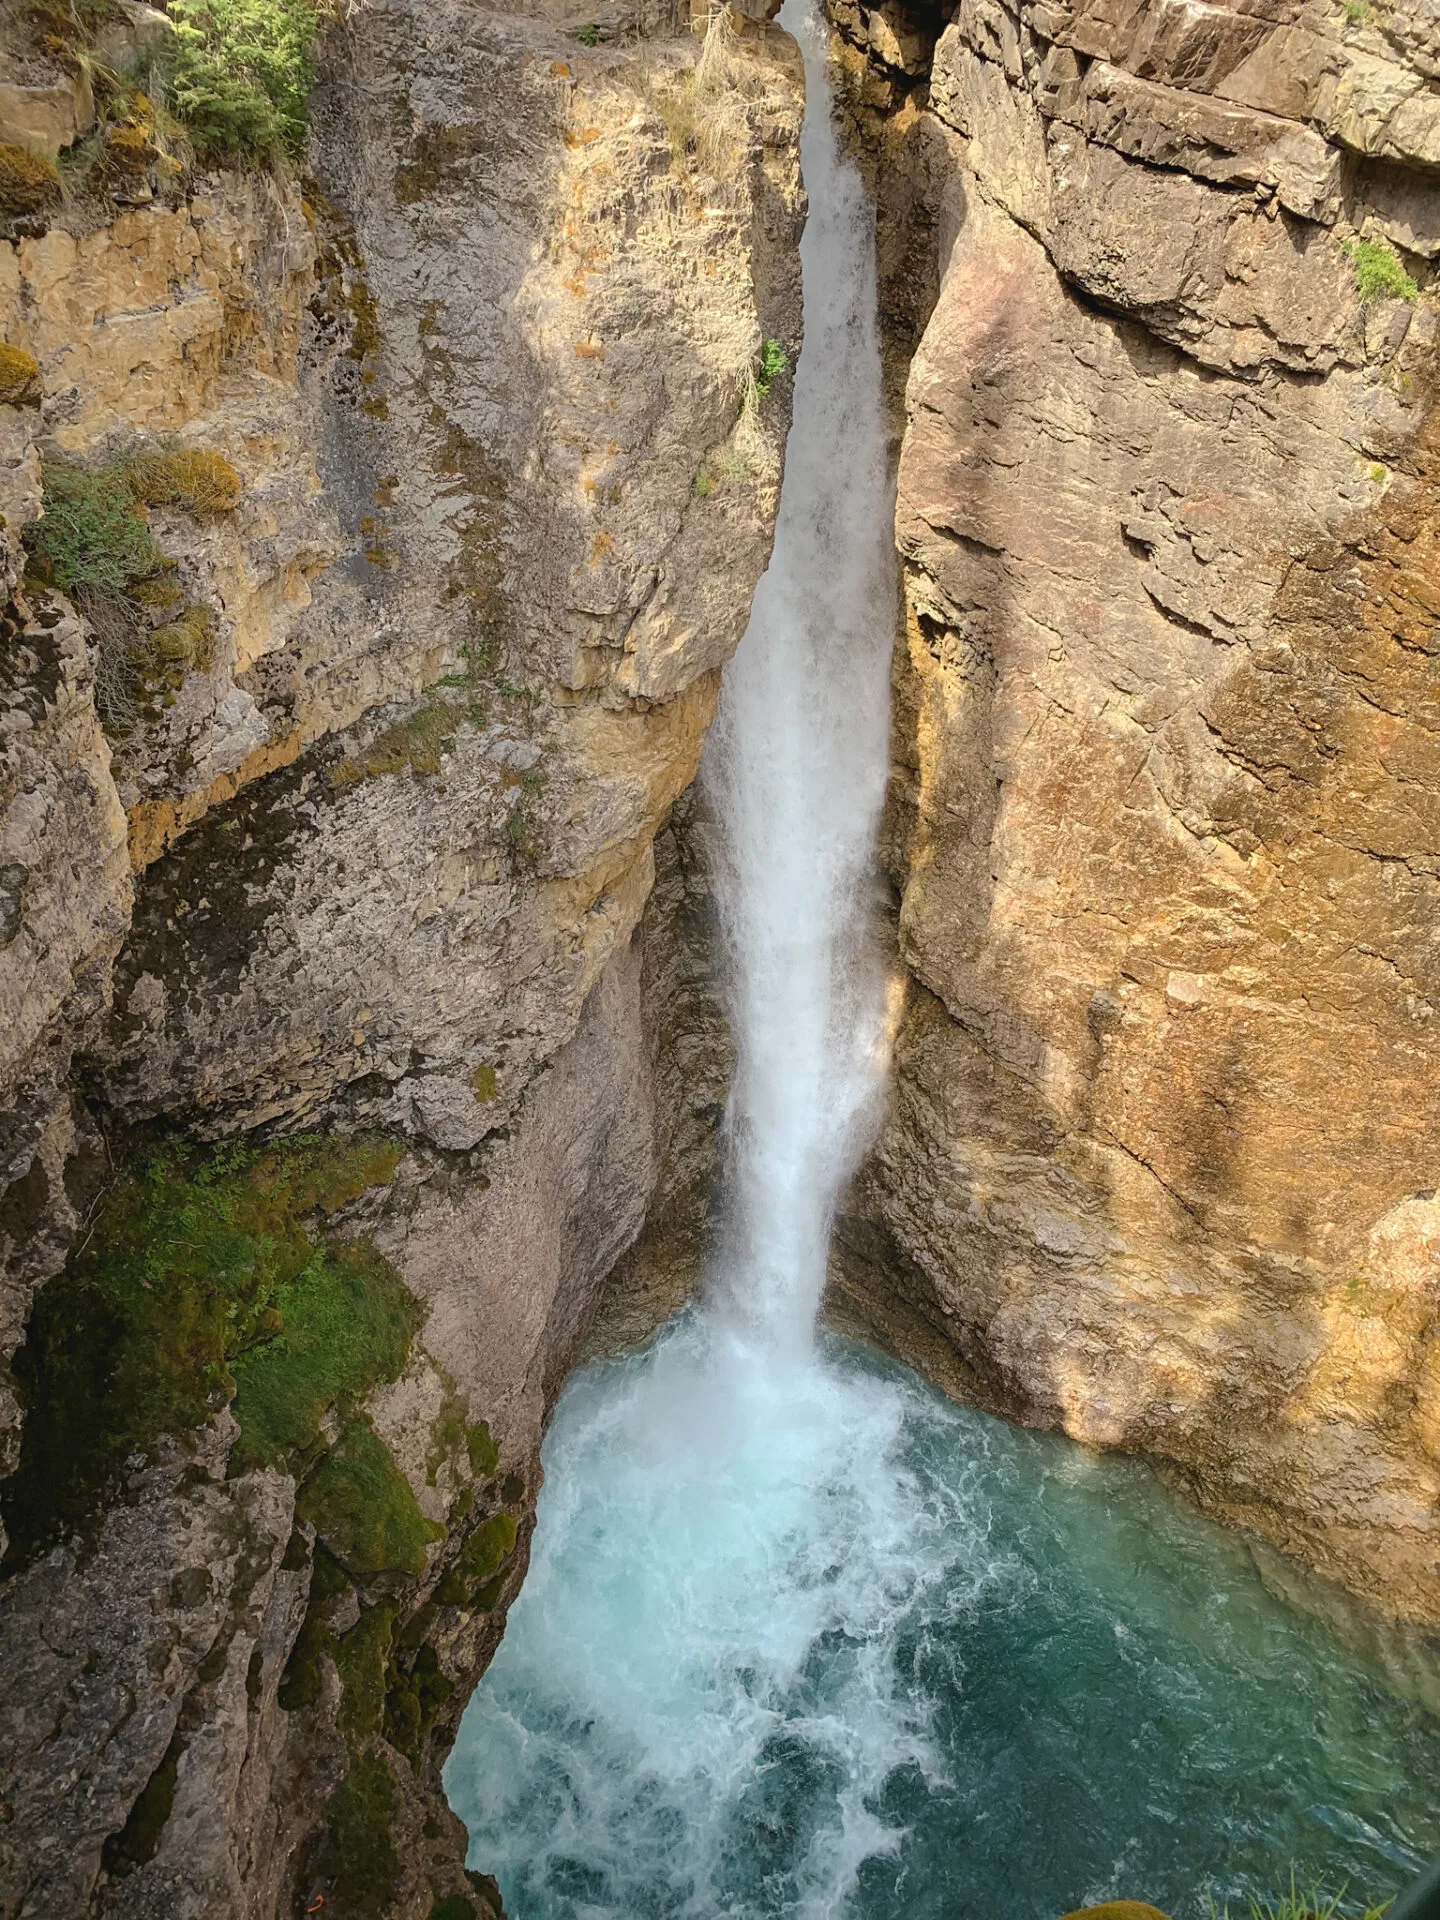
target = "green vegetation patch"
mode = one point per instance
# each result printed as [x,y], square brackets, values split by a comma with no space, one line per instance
[358,1855]
[772,364]
[361,1505]
[241,77]
[361,1657]
[92,532]
[192,1264]
[488,1547]
[1378,272]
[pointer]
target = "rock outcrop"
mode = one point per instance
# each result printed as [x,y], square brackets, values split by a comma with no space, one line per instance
[328,828]
[1159,1166]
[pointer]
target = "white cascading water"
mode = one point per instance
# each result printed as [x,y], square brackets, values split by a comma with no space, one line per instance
[795,771]
[793,1626]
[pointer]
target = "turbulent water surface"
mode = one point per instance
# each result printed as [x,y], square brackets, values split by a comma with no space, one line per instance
[799,1637]
[820,1643]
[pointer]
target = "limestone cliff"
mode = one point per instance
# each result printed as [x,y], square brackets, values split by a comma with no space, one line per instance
[1160,1161]
[327,828]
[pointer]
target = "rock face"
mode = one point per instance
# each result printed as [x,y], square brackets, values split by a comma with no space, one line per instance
[325,845]
[1160,1160]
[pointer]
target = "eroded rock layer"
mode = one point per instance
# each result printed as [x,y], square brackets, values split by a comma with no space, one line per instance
[1160,1163]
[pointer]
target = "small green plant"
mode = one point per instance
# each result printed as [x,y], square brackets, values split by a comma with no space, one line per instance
[1355,12]
[241,76]
[1378,272]
[589,36]
[772,364]
[702,486]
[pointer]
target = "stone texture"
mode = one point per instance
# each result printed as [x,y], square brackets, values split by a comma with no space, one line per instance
[1158,1166]
[390,843]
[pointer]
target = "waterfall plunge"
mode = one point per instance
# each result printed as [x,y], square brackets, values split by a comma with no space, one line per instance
[795,771]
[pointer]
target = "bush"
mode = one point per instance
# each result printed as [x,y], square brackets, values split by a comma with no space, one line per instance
[241,77]
[195,479]
[28,182]
[1378,272]
[92,532]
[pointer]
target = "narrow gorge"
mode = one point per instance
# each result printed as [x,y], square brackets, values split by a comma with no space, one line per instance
[397,425]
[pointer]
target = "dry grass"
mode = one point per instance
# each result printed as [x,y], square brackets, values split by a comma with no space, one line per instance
[195,479]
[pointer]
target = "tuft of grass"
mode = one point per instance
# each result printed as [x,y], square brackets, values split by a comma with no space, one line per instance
[92,531]
[1311,1903]
[1356,12]
[362,1507]
[241,76]
[29,182]
[702,486]
[1378,272]
[589,35]
[19,377]
[195,479]
[191,1264]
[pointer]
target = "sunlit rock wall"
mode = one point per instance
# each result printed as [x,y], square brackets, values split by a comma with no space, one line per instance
[1160,1163]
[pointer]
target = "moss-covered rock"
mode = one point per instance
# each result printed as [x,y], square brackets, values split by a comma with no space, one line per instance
[358,1855]
[19,377]
[28,182]
[362,1507]
[197,1261]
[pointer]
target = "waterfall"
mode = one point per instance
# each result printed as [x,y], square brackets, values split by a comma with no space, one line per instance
[795,771]
[798,1637]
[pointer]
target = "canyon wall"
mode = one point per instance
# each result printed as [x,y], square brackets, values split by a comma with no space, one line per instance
[1160,1161]
[330,1092]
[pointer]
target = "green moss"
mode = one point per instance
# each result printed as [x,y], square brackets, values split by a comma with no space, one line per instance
[482,1450]
[455,1907]
[484,1083]
[345,1323]
[488,1547]
[358,1854]
[178,1277]
[416,1695]
[361,1506]
[361,1657]
[484,1595]
[452,1590]
[301,1682]
[1378,272]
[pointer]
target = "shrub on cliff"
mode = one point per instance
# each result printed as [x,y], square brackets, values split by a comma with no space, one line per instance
[241,77]
[1378,272]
